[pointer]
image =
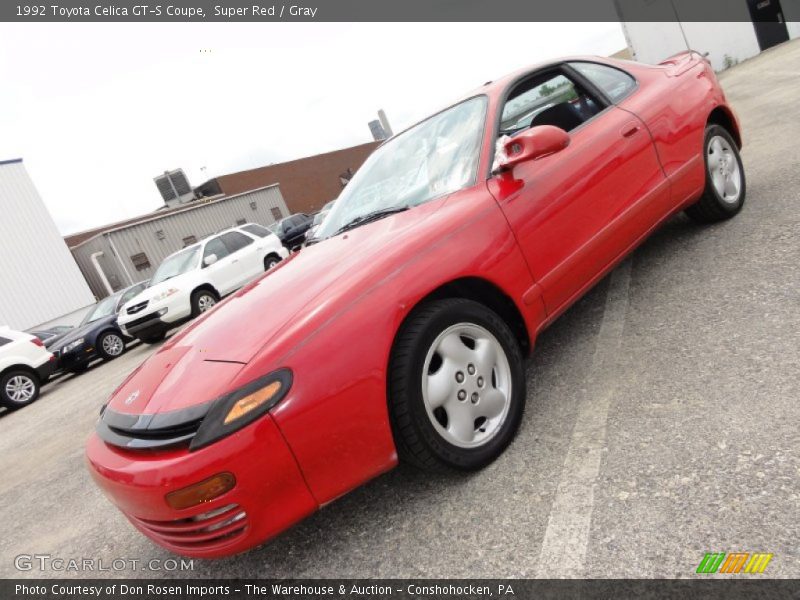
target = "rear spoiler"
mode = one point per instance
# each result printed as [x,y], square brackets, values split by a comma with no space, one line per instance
[678,64]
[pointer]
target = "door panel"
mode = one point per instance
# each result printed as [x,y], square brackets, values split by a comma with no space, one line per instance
[576,211]
[221,273]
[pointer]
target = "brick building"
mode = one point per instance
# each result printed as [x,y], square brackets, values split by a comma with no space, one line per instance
[306,183]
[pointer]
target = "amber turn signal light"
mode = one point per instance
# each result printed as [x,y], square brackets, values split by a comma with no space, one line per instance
[252,401]
[205,491]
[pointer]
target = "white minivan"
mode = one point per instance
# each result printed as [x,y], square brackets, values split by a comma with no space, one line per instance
[191,281]
[25,365]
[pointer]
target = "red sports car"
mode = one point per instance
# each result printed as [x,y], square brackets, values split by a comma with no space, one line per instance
[400,332]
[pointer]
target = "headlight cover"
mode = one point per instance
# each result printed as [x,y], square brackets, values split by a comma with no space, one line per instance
[72,345]
[236,409]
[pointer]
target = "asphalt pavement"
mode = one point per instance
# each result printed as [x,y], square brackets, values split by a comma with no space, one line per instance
[661,424]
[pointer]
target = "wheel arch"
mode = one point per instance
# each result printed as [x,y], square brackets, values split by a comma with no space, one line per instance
[484,292]
[207,287]
[722,116]
[21,367]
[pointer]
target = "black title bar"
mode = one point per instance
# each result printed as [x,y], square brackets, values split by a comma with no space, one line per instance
[383,10]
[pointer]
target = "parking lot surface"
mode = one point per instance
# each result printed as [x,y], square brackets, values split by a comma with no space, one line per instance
[661,424]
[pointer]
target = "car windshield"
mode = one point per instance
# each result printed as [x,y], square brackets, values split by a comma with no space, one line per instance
[104,308]
[177,264]
[436,157]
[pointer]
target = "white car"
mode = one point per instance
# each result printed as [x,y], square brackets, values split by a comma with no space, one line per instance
[191,281]
[25,365]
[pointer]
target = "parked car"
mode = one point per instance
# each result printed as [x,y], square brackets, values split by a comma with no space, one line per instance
[98,335]
[52,334]
[317,220]
[257,230]
[292,229]
[191,281]
[25,365]
[401,334]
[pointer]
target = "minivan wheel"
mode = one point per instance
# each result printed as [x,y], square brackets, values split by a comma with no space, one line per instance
[456,386]
[726,186]
[202,301]
[18,388]
[271,261]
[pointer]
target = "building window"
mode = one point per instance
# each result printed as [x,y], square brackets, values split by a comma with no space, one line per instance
[240,222]
[160,234]
[276,214]
[140,261]
[253,204]
[189,240]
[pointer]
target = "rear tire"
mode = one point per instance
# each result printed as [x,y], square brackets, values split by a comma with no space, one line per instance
[456,386]
[18,388]
[726,186]
[202,301]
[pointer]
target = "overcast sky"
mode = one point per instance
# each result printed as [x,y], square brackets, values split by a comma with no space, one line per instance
[97,110]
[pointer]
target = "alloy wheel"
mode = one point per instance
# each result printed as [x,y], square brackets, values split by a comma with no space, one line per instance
[20,388]
[113,344]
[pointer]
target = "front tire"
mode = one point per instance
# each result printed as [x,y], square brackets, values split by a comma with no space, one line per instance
[18,388]
[726,186]
[154,338]
[202,301]
[110,345]
[456,386]
[271,261]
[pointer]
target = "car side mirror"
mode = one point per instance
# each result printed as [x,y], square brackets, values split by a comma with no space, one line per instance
[210,260]
[536,142]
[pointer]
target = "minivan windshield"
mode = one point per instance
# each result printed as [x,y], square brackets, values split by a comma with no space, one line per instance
[436,157]
[177,264]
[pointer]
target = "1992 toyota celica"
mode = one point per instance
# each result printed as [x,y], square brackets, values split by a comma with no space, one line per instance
[400,334]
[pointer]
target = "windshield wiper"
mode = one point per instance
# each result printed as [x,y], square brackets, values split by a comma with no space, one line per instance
[369,217]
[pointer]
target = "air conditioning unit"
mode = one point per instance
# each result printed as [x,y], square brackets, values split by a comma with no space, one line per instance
[174,188]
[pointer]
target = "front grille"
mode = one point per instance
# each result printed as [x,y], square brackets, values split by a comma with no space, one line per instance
[151,432]
[138,307]
[201,531]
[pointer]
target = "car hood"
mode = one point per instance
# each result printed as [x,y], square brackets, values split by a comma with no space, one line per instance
[297,291]
[81,331]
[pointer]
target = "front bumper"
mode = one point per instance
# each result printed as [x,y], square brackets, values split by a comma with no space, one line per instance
[269,496]
[77,357]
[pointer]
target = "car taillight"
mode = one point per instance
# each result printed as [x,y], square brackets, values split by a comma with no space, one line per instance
[38,342]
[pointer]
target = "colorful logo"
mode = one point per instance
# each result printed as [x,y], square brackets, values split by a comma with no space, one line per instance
[734,562]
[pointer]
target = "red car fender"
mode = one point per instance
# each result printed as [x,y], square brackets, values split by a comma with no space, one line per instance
[335,419]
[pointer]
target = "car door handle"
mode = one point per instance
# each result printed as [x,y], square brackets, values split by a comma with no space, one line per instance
[629,129]
[235,260]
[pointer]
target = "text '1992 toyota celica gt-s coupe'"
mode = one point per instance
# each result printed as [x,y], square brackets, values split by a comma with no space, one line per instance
[400,332]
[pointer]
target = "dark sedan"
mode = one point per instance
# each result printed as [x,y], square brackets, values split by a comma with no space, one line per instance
[292,230]
[98,335]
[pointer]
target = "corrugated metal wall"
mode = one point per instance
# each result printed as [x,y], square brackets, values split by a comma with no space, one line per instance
[161,236]
[39,279]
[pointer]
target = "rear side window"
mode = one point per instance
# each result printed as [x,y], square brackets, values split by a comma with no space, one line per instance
[257,230]
[235,241]
[615,83]
[215,246]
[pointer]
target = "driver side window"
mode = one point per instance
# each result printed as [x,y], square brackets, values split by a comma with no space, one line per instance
[547,99]
[215,246]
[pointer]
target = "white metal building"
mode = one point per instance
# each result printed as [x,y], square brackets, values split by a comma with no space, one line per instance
[745,28]
[39,279]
